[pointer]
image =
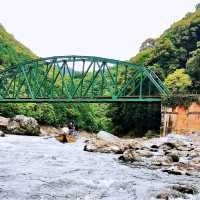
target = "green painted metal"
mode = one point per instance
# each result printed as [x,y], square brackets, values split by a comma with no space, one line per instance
[79,79]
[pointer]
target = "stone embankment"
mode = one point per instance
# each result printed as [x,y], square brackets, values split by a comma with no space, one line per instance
[173,154]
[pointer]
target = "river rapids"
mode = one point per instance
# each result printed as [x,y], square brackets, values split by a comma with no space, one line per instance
[34,168]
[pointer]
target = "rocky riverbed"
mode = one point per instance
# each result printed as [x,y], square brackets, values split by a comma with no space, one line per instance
[174,154]
[39,168]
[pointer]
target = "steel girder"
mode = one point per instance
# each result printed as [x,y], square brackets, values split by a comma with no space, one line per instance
[79,79]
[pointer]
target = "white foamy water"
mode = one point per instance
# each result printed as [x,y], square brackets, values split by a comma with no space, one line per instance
[34,168]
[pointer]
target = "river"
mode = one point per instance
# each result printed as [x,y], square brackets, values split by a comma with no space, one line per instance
[44,169]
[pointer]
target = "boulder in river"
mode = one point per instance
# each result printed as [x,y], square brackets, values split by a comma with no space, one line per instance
[173,156]
[105,142]
[22,125]
[185,189]
[171,195]
[177,170]
[135,155]
[103,135]
[4,123]
[130,156]
[2,134]
[161,161]
[178,191]
[102,146]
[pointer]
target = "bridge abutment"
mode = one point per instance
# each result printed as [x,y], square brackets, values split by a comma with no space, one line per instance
[180,120]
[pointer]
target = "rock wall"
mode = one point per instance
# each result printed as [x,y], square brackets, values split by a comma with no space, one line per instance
[181,120]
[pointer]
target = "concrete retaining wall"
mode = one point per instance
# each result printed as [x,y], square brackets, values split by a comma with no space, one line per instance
[181,120]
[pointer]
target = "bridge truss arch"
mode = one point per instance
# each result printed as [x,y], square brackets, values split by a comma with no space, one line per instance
[79,79]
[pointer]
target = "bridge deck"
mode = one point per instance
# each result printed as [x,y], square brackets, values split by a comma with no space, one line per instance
[100,99]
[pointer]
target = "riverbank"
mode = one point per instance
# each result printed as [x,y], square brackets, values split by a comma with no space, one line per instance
[23,125]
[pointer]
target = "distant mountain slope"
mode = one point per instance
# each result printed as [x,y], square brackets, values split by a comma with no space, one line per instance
[12,51]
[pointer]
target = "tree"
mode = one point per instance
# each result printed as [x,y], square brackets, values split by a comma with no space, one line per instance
[141,57]
[178,82]
[1,61]
[134,119]
[193,68]
[148,44]
[1,64]
[164,55]
[197,6]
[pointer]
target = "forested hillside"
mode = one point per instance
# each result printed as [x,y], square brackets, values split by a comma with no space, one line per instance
[176,53]
[12,51]
[89,117]
[175,58]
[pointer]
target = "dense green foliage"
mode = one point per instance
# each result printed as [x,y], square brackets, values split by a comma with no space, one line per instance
[175,58]
[134,119]
[193,67]
[12,51]
[90,117]
[178,47]
[178,81]
[180,100]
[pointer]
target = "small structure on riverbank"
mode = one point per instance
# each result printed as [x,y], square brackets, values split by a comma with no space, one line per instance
[181,120]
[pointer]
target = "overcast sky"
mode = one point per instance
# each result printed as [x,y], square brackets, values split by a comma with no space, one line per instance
[107,28]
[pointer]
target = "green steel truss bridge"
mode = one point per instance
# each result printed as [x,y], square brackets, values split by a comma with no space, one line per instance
[79,79]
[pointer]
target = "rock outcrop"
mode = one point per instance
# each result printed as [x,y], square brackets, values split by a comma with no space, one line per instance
[104,143]
[22,125]
[108,143]
[178,191]
[108,137]
[173,154]
[102,146]
[4,123]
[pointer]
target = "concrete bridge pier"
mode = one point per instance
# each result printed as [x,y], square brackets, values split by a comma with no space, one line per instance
[180,120]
